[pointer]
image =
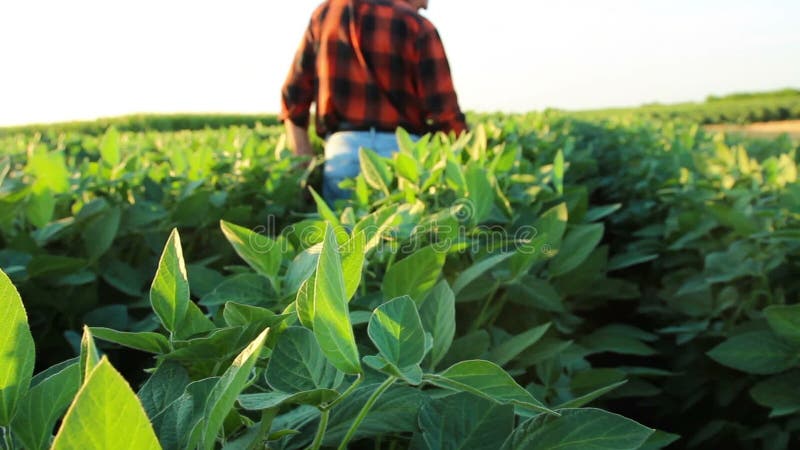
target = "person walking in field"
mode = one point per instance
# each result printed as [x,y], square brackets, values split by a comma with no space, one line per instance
[369,66]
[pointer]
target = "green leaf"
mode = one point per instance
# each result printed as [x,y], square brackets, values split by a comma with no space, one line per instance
[757,352]
[505,352]
[145,341]
[619,339]
[395,412]
[589,397]
[44,404]
[267,400]
[488,380]
[54,266]
[536,293]
[245,288]
[659,440]
[785,321]
[375,170]
[577,246]
[780,393]
[260,252]
[99,234]
[410,374]
[166,385]
[546,233]
[480,193]
[220,344]
[579,429]
[414,275]
[438,315]
[476,270]
[17,350]
[236,314]
[407,167]
[89,357]
[332,326]
[305,302]
[109,147]
[329,216]
[193,323]
[169,293]
[558,172]
[230,385]
[297,364]
[105,414]
[41,207]
[176,426]
[396,330]
[464,422]
[353,255]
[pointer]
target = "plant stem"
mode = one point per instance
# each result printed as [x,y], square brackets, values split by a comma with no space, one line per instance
[365,410]
[346,393]
[479,319]
[323,425]
[8,442]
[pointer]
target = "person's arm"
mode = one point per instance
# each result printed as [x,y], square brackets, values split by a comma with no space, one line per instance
[297,139]
[436,84]
[297,95]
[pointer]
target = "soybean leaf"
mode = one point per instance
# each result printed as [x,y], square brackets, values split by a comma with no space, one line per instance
[396,330]
[89,357]
[785,321]
[144,341]
[236,315]
[505,352]
[169,293]
[558,172]
[659,440]
[591,396]
[353,255]
[480,193]
[410,374]
[17,350]
[332,326]
[575,248]
[297,364]
[465,422]
[220,344]
[407,167]
[414,275]
[536,293]
[476,270]
[396,412]
[267,400]
[105,414]
[300,269]
[43,405]
[194,322]
[260,252]
[166,385]
[245,288]
[376,171]
[756,352]
[305,302]
[488,380]
[329,216]
[438,315]
[109,147]
[579,429]
[227,388]
[780,393]
[176,426]
[99,234]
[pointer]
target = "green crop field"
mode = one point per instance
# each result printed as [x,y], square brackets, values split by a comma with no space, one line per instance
[547,281]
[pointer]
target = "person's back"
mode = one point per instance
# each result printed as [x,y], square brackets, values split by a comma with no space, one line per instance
[370,66]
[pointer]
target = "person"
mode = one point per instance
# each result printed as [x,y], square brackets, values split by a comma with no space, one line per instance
[369,66]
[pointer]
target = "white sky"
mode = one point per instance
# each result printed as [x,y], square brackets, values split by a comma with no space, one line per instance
[81,59]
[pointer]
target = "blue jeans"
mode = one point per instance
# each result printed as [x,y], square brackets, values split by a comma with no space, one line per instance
[341,157]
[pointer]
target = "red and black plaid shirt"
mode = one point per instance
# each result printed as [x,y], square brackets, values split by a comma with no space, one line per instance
[406,81]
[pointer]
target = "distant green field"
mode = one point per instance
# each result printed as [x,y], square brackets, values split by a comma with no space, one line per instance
[741,108]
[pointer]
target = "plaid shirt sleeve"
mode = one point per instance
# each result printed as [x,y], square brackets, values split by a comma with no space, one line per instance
[298,90]
[436,85]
